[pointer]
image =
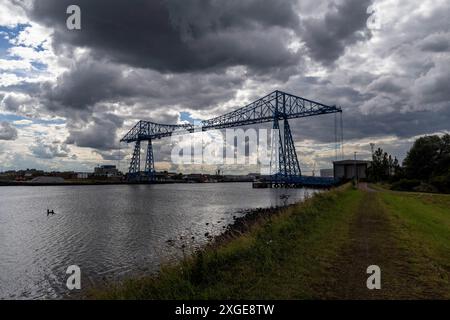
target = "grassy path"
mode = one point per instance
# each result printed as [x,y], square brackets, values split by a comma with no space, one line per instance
[320,249]
[422,227]
[370,243]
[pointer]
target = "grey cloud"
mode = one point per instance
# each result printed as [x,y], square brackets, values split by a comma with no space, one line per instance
[100,133]
[328,92]
[89,92]
[344,24]
[399,124]
[91,81]
[7,131]
[85,84]
[427,29]
[112,155]
[20,103]
[438,42]
[178,36]
[433,87]
[361,78]
[386,85]
[12,102]
[198,16]
[377,109]
[44,150]
[89,85]
[402,125]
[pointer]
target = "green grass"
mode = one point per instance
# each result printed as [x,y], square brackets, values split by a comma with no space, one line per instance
[422,226]
[318,249]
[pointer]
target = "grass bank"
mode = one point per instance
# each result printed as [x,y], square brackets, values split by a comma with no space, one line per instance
[319,249]
[422,227]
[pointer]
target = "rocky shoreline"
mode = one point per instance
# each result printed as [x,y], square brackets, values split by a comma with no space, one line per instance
[244,223]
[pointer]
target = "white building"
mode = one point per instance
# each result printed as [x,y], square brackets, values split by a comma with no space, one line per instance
[83,175]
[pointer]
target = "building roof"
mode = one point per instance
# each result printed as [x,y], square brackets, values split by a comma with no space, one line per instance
[352,162]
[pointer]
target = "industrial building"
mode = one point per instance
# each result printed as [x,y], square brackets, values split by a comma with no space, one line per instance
[83,175]
[109,171]
[351,169]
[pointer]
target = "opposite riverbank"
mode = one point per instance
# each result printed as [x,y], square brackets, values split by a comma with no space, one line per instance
[98,183]
[76,183]
[318,249]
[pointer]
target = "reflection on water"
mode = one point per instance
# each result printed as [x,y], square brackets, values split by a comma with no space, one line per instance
[109,231]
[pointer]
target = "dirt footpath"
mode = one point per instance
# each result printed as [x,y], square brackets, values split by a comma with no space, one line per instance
[371,242]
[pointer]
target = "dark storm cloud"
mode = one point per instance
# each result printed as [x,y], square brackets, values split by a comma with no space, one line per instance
[386,85]
[327,92]
[438,42]
[389,107]
[100,133]
[402,125]
[357,125]
[7,131]
[87,83]
[433,88]
[178,36]
[79,92]
[344,24]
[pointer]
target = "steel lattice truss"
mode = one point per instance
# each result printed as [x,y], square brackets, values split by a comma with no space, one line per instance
[277,104]
[271,108]
[145,130]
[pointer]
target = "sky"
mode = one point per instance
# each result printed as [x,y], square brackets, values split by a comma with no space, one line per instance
[68,96]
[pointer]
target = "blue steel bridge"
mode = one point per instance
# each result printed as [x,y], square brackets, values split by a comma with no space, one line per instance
[277,107]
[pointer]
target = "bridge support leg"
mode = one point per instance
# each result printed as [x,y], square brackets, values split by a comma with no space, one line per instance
[150,172]
[278,163]
[288,168]
[292,166]
[134,170]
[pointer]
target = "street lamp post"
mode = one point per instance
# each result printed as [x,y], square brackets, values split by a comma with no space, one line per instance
[355,170]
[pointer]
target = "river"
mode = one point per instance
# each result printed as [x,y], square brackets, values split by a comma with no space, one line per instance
[111,232]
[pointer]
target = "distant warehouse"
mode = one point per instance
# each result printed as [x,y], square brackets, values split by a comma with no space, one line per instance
[109,171]
[351,169]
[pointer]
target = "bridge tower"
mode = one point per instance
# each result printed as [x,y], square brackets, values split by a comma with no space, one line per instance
[150,172]
[288,168]
[134,171]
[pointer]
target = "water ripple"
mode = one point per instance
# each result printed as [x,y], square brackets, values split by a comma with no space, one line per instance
[110,231]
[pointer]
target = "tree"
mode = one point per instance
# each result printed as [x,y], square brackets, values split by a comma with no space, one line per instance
[429,157]
[398,172]
[383,166]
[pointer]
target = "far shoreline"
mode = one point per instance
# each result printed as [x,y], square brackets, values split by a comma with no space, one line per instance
[75,183]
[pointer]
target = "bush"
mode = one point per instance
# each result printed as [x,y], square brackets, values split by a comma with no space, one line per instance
[405,185]
[426,187]
[442,183]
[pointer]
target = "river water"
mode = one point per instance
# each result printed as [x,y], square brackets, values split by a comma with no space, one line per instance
[111,232]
